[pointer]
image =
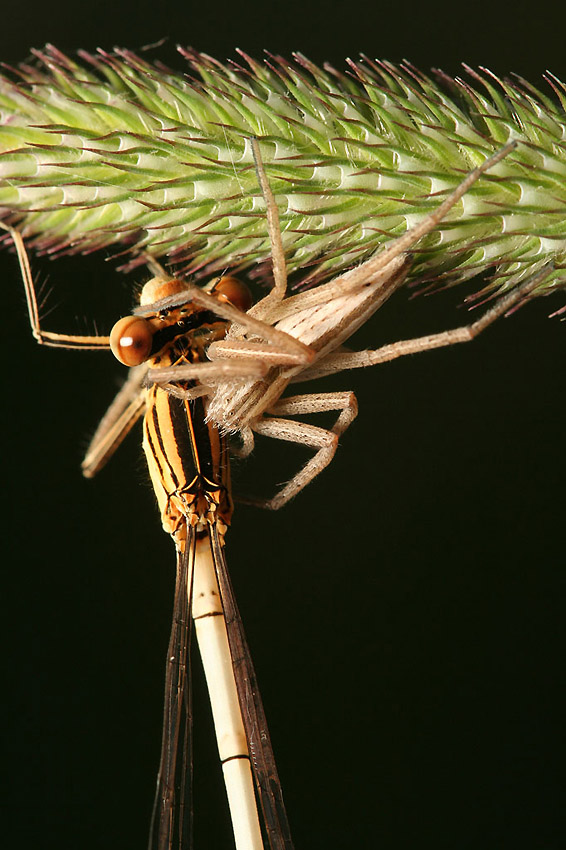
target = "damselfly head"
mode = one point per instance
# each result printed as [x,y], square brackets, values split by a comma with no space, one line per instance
[131,338]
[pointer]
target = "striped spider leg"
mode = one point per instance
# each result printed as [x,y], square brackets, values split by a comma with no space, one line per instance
[323,319]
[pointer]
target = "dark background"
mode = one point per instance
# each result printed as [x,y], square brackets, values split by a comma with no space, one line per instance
[405,612]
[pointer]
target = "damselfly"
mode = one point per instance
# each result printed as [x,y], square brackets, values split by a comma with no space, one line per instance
[189,467]
[166,343]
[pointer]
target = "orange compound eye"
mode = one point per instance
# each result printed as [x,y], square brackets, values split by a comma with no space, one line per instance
[234,291]
[130,340]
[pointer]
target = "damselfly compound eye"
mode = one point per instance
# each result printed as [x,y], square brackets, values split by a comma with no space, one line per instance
[234,291]
[130,340]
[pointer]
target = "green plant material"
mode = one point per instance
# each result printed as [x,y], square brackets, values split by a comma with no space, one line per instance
[116,151]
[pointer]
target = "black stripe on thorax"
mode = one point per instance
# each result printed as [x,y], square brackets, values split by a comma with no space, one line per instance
[208,463]
[149,434]
[165,454]
[189,453]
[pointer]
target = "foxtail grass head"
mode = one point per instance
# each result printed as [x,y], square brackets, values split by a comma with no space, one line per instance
[111,151]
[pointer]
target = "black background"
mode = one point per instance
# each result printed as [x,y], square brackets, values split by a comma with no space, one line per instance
[404,612]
